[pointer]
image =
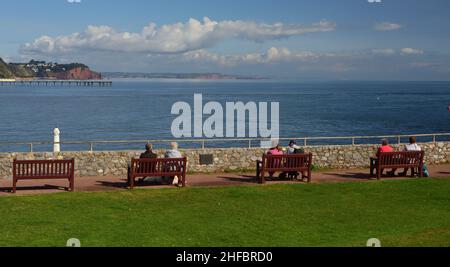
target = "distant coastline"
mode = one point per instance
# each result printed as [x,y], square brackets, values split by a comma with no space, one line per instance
[194,76]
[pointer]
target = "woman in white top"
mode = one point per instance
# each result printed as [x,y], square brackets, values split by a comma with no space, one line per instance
[173,152]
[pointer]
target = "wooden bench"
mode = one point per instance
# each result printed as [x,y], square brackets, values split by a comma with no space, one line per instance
[407,159]
[284,163]
[164,167]
[43,169]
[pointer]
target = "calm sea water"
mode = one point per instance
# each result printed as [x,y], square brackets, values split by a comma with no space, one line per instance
[142,109]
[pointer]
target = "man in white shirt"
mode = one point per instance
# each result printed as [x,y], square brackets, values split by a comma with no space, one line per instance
[412,146]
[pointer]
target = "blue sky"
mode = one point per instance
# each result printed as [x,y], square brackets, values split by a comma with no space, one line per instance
[317,40]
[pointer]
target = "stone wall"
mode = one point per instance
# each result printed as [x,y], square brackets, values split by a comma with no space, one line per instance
[227,159]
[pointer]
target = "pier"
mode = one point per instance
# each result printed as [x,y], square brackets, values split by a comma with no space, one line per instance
[85,83]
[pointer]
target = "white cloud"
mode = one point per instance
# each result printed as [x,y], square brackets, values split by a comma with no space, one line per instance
[384,51]
[171,38]
[387,26]
[272,55]
[74,1]
[411,51]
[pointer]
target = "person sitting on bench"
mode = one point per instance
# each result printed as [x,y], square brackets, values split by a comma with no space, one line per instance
[293,148]
[412,146]
[275,151]
[148,154]
[384,148]
[173,153]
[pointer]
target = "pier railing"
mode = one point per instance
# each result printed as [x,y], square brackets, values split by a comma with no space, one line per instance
[39,82]
[232,142]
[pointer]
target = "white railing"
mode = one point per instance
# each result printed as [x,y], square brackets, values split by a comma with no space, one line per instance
[251,142]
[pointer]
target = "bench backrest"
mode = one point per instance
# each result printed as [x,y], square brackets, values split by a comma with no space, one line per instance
[158,166]
[293,161]
[29,169]
[405,158]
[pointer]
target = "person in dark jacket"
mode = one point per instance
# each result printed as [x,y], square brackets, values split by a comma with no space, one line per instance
[148,154]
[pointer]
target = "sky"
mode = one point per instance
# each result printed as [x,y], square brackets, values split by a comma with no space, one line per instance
[306,40]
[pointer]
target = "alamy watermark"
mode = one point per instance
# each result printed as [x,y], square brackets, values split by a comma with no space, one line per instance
[236,120]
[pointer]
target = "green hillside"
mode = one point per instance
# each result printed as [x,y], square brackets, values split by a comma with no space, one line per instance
[20,70]
[5,71]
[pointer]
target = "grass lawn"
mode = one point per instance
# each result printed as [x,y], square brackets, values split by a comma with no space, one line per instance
[412,212]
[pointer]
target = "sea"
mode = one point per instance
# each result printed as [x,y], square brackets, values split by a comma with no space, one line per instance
[141,109]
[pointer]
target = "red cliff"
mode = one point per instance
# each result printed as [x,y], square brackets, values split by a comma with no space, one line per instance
[77,74]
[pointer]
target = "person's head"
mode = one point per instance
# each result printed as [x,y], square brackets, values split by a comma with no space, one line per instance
[412,140]
[384,142]
[174,146]
[292,143]
[148,147]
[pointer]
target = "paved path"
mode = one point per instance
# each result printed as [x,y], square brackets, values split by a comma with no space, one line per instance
[109,183]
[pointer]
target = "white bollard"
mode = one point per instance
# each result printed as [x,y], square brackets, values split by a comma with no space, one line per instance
[56,145]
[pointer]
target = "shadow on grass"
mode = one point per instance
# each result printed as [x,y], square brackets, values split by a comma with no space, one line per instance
[33,188]
[245,179]
[251,179]
[138,183]
[355,175]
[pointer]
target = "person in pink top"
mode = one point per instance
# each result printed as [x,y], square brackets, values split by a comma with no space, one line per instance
[385,147]
[275,150]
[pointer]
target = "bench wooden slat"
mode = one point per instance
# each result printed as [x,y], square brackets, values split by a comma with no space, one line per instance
[141,168]
[396,160]
[43,169]
[284,163]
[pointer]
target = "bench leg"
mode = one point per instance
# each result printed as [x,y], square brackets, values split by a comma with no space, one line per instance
[14,186]
[262,179]
[379,171]
[258,170]
[309,175]
[130,181]
[72,184]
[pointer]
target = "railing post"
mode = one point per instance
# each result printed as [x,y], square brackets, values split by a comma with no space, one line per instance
[203,143]
[434,138]
[353,141]
[304,142]
[91,147]
[399,140]
[250,143]
[31,147]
